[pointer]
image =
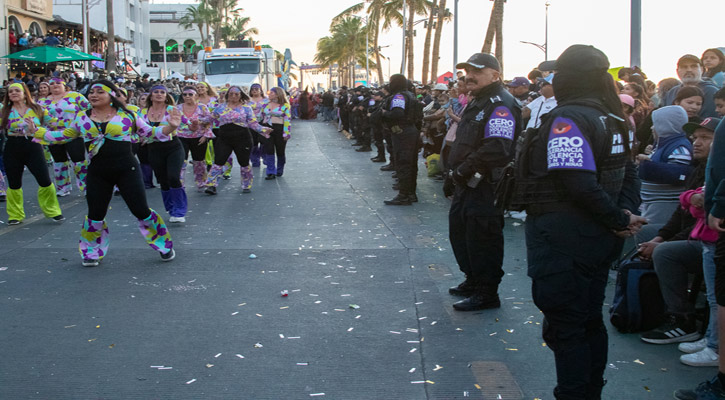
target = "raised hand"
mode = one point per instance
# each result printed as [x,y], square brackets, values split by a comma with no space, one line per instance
[174,118]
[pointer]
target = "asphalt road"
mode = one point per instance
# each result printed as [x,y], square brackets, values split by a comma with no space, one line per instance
[367,314]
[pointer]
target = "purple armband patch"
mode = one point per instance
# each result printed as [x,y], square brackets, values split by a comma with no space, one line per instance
[567,147]
[501,124]
[398,101]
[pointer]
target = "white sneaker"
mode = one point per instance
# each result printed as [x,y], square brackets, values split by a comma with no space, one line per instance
[177,219]
[693,347]
[519,215]
[706,357]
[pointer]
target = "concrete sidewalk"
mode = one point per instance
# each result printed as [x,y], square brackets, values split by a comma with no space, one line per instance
[367,316]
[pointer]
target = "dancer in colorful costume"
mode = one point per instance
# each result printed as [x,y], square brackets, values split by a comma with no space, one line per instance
[277,115]
[194,133]
[108,130]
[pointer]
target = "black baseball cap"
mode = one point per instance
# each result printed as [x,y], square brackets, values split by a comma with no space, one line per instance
[481,61]
[582,58]
[549,65]
[707,123]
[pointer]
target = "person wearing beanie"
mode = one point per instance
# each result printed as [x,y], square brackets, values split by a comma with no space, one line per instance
[485,143]
[577,168]
[664,172]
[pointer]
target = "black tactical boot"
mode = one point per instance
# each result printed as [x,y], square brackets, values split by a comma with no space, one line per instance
[399,200]
[484,297]
[464,289]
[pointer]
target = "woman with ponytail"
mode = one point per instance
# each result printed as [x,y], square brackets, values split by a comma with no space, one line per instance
[19,112]
[108,130]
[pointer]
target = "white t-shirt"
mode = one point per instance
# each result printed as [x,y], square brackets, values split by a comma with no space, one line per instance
[539,107]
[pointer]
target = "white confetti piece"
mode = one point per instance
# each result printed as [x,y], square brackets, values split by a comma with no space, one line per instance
[350,329]
[397,333]
[163,368]
[281,336]
[638,362]
[418,303]
[417,381]
[191,381]
[403,310]
[258,345]
[434,322]
[157,366]
[293,337]
[411,370]
[303,364]
[235,313]
[239,355]
[3,268]
[413,350]
[217,356]
[345,295]
[252,256]
[422,318]
[413,341]
[316,394]
[437,367]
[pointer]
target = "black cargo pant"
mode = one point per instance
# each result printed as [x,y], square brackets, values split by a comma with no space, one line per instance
[476,238]
[406,159]
[568,265]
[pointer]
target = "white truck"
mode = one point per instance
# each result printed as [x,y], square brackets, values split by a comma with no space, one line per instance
[242,64]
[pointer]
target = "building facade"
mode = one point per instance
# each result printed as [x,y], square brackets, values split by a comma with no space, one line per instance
[130,23]
[173,48]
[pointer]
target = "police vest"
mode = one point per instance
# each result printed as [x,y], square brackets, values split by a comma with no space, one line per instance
[575,136]
[488,116]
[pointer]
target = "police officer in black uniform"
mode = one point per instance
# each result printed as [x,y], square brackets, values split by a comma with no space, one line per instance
[344,112]
[580,187]
[365,125]
[375,112]
[485,143]
[397,116]
[387,135]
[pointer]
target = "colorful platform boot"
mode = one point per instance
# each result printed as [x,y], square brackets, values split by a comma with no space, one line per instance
[81,171]
[48,202]
[200,174]
[61,175]
[179,204]
[269,162]
[247,179]
[94,241]
[228,168]
[157,235]
[212,179]
[16,212]
[280,165]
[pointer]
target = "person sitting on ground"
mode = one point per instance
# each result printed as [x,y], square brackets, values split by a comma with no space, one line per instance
[664,171]
[674,255]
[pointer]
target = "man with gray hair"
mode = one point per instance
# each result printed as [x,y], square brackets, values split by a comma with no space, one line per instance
[689,70]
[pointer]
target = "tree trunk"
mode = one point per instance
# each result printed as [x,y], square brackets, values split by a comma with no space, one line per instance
[426,46]
[491,31]
[111,49]
[437,40]
[379,67]
[411,45]
[499,33]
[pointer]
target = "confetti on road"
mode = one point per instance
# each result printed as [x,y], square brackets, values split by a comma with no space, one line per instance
[638,362]
[218,354]
[252,256]
[239,355]
[411,370]
[258,345]
[437,367]
[316,394]
[191,381]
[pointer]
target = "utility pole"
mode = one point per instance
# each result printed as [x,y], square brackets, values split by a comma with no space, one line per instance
[546,33]
[84,19]
[402,64]
[455,35]
[635,46]
[367,54]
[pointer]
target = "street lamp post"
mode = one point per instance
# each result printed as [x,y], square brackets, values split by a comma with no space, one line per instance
[546,33]
[455,35]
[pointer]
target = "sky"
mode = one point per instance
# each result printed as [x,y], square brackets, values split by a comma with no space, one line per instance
[670,28]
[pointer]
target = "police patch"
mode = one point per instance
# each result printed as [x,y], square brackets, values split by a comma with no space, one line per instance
[398,101]
[501,124]
[567,148]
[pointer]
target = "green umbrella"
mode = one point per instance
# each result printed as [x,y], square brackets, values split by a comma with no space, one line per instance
[48,54]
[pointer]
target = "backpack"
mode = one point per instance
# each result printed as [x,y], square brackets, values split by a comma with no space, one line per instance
[638,305]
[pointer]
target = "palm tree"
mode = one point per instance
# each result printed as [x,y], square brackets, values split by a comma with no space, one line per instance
[443,16]
[495,28]
[198,17]
[345,47]
[380,16]
[237,29]
[111,50]
[426,46]
[415,7]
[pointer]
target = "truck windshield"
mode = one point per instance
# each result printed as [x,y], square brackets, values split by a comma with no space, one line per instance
[232,66]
